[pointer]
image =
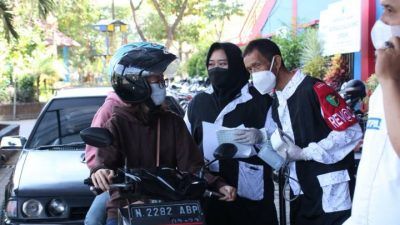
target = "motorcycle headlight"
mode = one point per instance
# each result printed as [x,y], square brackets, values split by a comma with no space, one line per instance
[56,207]
[32,208]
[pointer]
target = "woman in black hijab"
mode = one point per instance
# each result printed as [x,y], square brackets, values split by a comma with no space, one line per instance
[226,71]
[233,102]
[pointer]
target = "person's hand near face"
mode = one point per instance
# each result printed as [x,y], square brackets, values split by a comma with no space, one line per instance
[387,67]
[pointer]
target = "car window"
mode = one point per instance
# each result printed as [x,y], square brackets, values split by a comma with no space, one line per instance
[63,120]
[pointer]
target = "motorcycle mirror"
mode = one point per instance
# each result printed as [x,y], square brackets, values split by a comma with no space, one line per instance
[97,137]
[225,151]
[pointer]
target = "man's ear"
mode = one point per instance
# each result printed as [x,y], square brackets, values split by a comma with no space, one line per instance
[278,62]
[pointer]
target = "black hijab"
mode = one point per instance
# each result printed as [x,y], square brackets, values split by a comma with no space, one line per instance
[236,69]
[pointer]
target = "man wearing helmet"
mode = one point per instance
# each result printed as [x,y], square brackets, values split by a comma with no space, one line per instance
[353,92]
[144,132]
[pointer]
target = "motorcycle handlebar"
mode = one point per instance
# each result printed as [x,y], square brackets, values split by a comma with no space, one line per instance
[212,194]
[96,191]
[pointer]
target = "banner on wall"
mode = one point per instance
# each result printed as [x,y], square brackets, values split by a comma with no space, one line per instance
[340,27]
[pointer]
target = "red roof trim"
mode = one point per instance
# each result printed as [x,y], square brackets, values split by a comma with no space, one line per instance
[262,19]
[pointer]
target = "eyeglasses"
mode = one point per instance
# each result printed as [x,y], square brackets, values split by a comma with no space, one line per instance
[153,79]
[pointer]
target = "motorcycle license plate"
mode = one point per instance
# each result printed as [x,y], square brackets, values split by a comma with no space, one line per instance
[183,212]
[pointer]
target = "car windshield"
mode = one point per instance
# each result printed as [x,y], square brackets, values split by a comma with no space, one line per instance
[62,121]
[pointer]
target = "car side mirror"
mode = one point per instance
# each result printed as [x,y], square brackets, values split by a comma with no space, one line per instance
[97,137]
[12,143]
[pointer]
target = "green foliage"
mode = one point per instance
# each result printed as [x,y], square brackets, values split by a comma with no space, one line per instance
[29,57]
[188,30]
[311,59]
[75,19]
[47,71]
[7,18]
[45,7]
[26,89]
[217,12]
[4,95]
[37,66]
[291,47]
[221,10]
[120,12]
[203,22]
[372,83]
[154,30]
[196,65]
[338,72]
[199,15]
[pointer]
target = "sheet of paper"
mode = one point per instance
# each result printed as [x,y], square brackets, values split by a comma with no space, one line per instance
[214,135]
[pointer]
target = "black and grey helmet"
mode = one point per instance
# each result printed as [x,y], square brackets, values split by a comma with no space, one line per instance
[132,63]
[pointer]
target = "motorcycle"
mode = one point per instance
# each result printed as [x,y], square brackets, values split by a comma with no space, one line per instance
[167,195]
[353,92]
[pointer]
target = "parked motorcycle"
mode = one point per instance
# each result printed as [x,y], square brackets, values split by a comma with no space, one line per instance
[168,196]
[185,90]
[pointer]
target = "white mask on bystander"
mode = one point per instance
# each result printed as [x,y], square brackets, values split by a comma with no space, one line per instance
[381,34]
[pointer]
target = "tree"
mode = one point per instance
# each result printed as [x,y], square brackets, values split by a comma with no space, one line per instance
[7,17]
[28,57]
[188,30]
[44,7]
[75,19]
[217,12]
[174,9]
[291,47]
[196,65]
[135,20]
[172,14]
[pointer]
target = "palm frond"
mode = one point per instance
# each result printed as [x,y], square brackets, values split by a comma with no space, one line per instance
[7,18]
[312,46]
[45,7]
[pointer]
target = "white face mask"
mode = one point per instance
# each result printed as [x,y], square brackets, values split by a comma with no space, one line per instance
[264,81]
[158,94]
[381,34]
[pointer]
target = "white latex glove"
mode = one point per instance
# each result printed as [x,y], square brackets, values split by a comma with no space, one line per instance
[250,136]
[294,152]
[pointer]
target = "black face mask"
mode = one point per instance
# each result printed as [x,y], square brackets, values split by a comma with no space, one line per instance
[220,78]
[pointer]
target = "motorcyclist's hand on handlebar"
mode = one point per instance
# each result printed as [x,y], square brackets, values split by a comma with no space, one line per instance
[102,179]
[229,193]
